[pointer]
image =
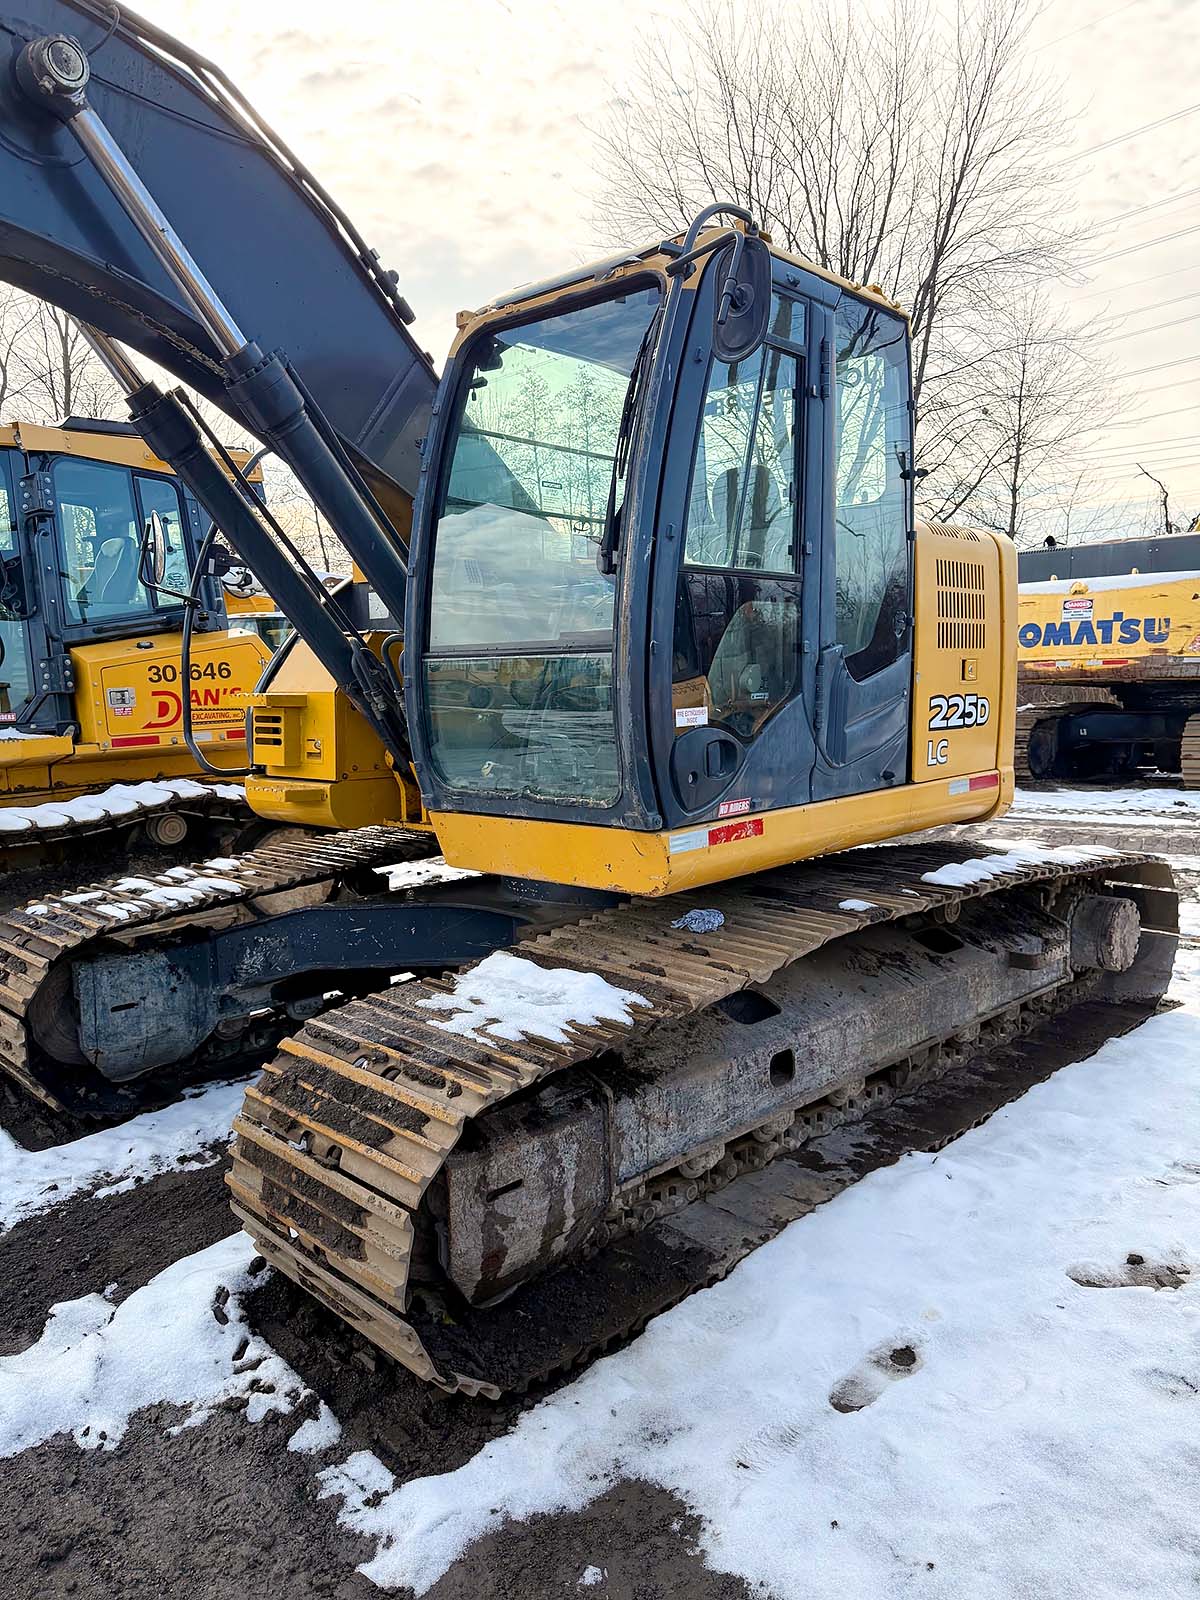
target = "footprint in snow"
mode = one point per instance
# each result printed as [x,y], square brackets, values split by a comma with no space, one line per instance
[867,1382]
[1175,1384]
[1135,1272]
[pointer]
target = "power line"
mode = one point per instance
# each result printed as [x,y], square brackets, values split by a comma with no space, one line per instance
[1146,244]
[1161,305]
[1155,416]
[1153,205]
[1133,133]
[1084,26]
[1136,333]
[1175,438]
[1161,367]
[1158,388]
[1155,277]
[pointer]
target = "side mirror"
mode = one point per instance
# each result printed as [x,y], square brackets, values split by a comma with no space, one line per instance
[154,545]
[743,311]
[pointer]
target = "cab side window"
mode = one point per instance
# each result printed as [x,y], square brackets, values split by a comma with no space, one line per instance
[157,494]
[101,519]
[737,610]
[872,445]
[743,483]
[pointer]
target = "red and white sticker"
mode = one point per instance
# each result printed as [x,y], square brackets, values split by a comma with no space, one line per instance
[733,808]
[982,780]
[704,838]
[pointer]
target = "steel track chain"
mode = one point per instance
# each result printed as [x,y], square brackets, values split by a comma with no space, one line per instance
[36,938]
[341,1138]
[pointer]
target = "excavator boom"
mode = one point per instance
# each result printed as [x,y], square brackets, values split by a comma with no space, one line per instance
[238,197]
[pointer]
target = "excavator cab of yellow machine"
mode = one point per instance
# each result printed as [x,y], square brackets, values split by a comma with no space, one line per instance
[90,673]
[670,619]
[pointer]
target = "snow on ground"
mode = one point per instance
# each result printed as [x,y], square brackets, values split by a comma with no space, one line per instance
[1180,804]
[510,997]
[120,800]
[96,1364]
[158,1141]
[1030,1436]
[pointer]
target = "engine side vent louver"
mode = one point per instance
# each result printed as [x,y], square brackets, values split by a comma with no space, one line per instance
[950,530]
[960,604]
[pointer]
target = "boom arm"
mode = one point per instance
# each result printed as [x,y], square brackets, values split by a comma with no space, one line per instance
[80,224]
[277,252]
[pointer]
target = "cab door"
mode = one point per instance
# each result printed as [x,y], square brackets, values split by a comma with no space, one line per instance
[734,601]
[864,666]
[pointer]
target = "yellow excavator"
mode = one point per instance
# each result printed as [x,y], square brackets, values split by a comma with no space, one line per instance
[648,639]
[94,761]
[1109,660]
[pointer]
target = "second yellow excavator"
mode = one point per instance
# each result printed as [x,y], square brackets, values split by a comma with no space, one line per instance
[649,632]
[93,759]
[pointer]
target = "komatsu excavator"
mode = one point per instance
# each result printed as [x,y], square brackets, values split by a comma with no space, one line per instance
[647,627]
[94,762]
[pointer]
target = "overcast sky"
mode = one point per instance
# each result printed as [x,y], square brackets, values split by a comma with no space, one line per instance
[456,135]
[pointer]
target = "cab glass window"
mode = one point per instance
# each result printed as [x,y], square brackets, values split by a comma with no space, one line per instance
[100,527]
[742,502]
[872,444]
[528,489]
[518,668]
[8,508]
[157,494]
[16,673]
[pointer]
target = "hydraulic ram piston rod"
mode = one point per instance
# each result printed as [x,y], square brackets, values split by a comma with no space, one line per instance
[53,73]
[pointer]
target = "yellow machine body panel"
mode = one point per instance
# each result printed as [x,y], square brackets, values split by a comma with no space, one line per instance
[122,450]
[321,764]
[1102,627]
[129,693]
[963,717]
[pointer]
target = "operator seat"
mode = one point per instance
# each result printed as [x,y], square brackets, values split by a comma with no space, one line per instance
[114,579]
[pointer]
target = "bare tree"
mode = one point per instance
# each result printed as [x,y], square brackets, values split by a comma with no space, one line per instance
[16,314]
[1041,390]
[61,377]
[1165,498]
[907,151]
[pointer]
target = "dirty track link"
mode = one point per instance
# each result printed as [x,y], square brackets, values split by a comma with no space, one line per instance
[394,1169]
[40,940]
[127,820]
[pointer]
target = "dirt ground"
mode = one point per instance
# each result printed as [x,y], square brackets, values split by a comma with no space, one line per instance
[224,1510]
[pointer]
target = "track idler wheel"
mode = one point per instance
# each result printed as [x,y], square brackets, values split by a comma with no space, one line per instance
[1105,932]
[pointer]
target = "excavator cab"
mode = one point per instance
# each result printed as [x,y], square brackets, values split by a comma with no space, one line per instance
[654,587]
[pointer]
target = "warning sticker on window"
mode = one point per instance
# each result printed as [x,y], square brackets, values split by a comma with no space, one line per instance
[691,716]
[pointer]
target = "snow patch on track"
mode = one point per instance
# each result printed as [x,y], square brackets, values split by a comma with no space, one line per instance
[415,874]
[511,998]
[120,801]
[1041,1436]
[181,1339]
[1018,854]
[170,1140]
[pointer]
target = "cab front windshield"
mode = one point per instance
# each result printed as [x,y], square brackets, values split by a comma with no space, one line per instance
[518,667]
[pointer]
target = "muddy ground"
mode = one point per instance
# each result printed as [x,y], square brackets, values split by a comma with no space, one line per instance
[224,1510]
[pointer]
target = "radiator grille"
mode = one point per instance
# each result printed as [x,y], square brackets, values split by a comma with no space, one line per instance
[960,605]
